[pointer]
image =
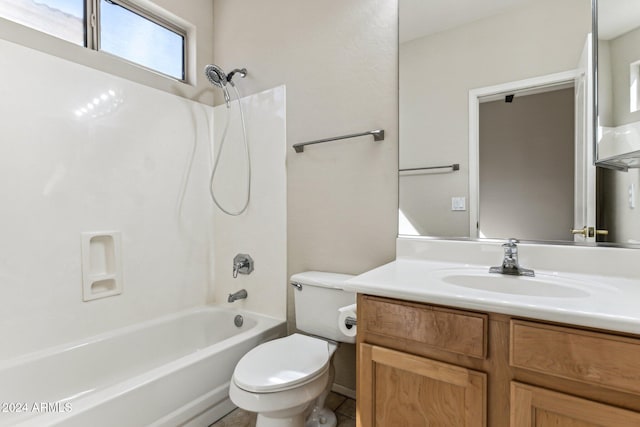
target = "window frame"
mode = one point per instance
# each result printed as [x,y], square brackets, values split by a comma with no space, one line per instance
[152,13]
[92,32]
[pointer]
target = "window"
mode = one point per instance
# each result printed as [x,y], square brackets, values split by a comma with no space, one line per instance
[136,36]
[118,27]
[60,18]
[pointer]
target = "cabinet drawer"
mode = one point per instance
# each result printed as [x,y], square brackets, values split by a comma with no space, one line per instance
[607,360]
[455,331]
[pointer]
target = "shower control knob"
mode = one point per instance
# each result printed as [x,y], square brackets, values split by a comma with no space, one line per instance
[243,264]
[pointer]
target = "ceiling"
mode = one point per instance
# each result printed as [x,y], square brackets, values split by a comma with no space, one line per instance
[419,18]
[616,17]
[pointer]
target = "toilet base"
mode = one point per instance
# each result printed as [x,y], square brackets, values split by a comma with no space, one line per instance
[292,421]
[322,418]
[320,415]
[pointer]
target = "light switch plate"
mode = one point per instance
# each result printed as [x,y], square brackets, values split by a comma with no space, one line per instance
[458,203]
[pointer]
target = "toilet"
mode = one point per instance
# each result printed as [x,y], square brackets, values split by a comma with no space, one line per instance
[287,380]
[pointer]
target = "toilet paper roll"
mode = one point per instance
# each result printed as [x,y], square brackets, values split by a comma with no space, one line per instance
[344,312]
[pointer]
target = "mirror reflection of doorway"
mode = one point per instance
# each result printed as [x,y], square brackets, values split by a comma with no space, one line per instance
[526,165]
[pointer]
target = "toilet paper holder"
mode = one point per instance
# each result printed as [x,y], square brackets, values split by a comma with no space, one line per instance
[347,323]
[350,322]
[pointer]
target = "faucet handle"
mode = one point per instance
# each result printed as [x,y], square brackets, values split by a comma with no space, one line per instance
[511,248]
[511,243]
[243,264]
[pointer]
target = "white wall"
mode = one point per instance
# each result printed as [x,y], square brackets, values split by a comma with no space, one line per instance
[436,74]
[140,166]
[622,221]
[338,60]
[261,231]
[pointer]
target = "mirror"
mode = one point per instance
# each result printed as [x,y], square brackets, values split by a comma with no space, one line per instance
[618,121]
[496,123]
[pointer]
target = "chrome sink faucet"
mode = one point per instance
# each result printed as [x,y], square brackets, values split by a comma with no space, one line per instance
[510,263]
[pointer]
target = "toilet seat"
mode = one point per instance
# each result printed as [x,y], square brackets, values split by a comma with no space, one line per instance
[283,364]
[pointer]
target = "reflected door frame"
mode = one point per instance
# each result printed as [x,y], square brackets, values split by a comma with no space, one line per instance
[475,95]
[584,216]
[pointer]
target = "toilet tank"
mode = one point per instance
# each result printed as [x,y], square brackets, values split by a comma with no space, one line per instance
[318,296]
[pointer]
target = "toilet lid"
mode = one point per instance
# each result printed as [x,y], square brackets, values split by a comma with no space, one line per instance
[283,363]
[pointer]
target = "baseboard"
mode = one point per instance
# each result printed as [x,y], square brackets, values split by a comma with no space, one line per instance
[340,389]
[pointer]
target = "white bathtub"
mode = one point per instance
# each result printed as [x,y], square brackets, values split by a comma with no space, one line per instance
[170,371]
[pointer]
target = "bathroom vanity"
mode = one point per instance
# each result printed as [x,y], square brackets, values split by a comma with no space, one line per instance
[454,367]
[430,353]
[441,340]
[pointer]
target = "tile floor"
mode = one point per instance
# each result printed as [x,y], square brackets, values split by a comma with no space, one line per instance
[344,407]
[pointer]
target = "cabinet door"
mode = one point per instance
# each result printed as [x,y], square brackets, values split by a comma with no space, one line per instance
[400,389]
[537,407]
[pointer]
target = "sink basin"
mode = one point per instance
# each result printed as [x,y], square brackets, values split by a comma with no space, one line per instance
[539,286]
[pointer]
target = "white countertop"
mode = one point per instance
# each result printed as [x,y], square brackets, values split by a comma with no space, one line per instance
[604,302]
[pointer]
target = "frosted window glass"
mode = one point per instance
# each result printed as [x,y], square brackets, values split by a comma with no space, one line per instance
[59,18]
[138,39]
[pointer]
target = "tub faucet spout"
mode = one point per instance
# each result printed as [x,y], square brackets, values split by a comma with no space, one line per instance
[241,294]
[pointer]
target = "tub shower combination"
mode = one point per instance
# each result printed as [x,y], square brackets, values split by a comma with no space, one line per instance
[174,370]
[170,371]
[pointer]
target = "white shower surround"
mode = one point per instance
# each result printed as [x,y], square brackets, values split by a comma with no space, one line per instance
[262,230]
[63,172]
[137,162]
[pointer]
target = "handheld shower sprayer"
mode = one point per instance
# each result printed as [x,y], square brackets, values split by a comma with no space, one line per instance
[218,78]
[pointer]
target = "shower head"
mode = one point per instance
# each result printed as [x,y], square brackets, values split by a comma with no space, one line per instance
[216,76]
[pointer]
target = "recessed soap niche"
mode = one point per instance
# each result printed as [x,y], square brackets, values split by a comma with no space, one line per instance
[101,265]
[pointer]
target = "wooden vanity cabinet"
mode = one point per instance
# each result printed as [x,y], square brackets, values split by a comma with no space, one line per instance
[599,361]
[399,384]
[538,407]
[426,365]
[409,390]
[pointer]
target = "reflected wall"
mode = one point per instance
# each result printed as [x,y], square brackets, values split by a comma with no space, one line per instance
[436,74]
